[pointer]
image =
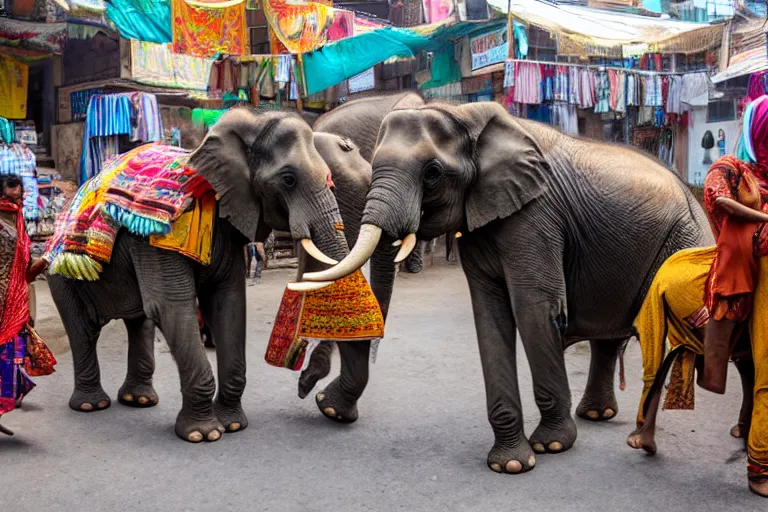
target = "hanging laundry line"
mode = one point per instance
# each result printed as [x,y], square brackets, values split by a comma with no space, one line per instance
[598,67]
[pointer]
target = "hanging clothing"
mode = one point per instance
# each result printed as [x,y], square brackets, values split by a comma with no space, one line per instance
[565,118]
[17,160]
[574,85]
[527,83]
[673,95]
[586,88]
[7,131]
[561,83]
[621,99]
[602,92]
[695,90]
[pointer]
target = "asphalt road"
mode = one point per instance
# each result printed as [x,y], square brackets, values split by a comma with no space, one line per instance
[420,443]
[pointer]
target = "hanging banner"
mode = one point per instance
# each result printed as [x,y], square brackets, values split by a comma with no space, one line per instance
[44,37]
[14,77]
[488,49]
[300,28]
[365,81]
[204,31]
[634,50]
[156,64]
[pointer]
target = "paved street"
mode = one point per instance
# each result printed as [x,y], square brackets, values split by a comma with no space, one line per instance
[420,443]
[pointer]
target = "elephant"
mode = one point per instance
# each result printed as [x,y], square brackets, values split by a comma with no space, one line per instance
[269,172]
[358,123]
[561,238]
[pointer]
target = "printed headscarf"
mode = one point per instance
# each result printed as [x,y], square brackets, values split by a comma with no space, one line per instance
[754,138]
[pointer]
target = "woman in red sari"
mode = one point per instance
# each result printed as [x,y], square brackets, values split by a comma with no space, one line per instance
[736,200]
[22,352]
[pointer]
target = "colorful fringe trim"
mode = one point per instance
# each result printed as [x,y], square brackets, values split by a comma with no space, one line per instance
[145,191]
[345,311]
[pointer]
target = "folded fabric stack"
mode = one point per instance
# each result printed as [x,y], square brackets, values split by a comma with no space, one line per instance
[148,191]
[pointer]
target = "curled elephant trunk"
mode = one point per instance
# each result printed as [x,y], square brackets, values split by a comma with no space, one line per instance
[366,243]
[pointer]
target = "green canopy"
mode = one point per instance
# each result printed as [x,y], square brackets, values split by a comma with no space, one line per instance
[144,20]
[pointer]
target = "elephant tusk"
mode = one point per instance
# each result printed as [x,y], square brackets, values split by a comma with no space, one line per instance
[397,243]
[316,253]
[409,242]
[306,286]
[366,243]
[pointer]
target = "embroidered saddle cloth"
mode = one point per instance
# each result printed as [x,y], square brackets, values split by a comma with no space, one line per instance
[150,192]
[345,311]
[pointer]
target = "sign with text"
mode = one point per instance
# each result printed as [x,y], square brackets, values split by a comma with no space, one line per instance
[365,81]
[488,49]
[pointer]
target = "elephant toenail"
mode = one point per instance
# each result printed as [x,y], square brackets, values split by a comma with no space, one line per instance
[330,412]
[86,407]
[320,397]
[593,415]
[531,462]
[195,437]
[496,467]
[103,404]
[538,448]
[128,397]
[555,446]
[143,400]
[214,435]
[609,413]
[514,466]
[234,426]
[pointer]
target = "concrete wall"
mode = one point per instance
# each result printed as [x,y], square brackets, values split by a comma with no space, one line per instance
[698,126]
[67,149]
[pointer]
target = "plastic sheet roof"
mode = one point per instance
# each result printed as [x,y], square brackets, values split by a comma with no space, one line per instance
[597,27]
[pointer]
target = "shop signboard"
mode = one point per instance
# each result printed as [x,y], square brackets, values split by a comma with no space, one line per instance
[365,81]
[488,49]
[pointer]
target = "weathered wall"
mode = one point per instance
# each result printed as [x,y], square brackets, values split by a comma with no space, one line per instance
[67,148]
[698,126]
[91,58]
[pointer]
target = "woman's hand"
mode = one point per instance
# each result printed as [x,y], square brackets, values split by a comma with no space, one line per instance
[740,211]
[37,268]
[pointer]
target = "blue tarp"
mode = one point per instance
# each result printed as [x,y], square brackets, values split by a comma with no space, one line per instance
[145,20]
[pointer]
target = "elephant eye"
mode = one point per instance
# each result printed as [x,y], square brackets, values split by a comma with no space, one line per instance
[288,180]
[432,172]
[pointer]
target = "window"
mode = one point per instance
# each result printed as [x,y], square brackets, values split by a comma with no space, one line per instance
[258,32]
[721,110]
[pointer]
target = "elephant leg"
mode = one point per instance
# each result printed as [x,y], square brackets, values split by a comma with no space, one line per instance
[496,338]
[338,401]
[224,311]
[137,390]
[167,285]
[599,400]
[83,335]
[541,336]
[746,368]
[318,368]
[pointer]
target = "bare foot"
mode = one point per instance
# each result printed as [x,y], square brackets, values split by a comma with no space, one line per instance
[759,487]
[642,439]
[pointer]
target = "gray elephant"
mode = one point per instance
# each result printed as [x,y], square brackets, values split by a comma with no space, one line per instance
[357,121]
[269,172]
[561,239]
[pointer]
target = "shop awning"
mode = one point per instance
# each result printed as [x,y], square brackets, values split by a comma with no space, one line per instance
[742,64]
[28,35]
[597,28]
[749,49]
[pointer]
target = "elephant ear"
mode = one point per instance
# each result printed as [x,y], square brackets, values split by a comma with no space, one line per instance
[511,169]
[222,159]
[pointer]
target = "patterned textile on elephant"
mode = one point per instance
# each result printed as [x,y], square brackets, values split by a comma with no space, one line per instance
[148,191]
[344,311]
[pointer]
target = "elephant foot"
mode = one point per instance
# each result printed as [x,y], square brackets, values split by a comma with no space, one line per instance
[319,367]
[643,438]
[231,416]
[335,405]
[195,429]
[738,430]
[89,401]
[137,395]
[598,408]
[759,486]
[515,459]
[554,436]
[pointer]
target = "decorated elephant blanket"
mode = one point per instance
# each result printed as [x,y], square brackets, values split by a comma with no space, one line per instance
[347,310]
[150,192]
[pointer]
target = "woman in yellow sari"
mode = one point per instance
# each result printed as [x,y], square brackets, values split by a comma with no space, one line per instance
[706,302]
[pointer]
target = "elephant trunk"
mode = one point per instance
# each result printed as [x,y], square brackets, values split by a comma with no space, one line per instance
[389,210]
[321,229]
